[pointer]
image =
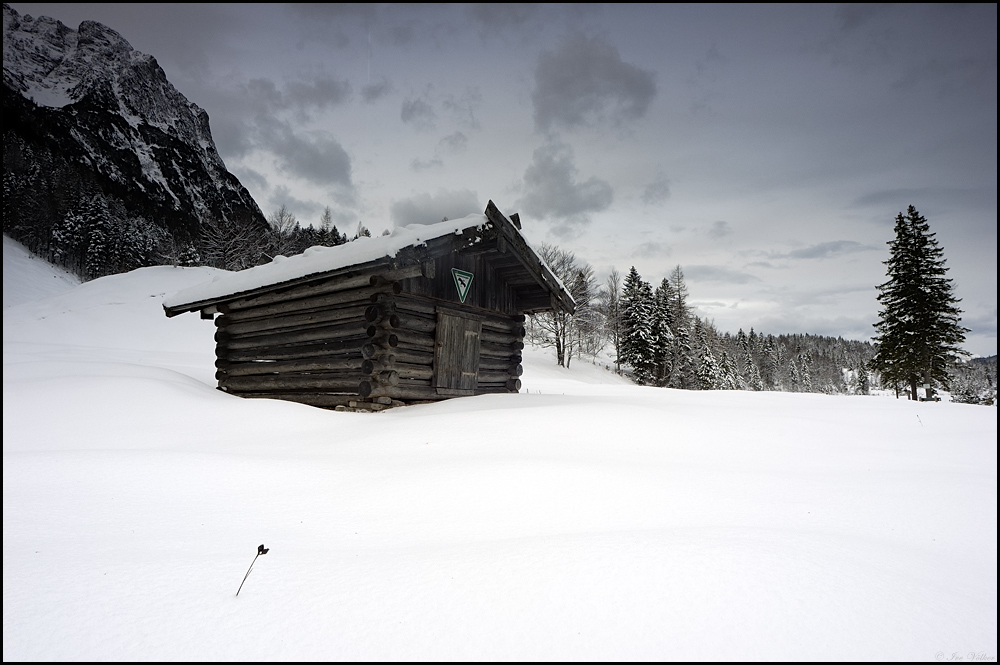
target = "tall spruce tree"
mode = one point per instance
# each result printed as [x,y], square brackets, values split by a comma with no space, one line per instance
[637,327]
[918,332]
[663,334]
[682,360]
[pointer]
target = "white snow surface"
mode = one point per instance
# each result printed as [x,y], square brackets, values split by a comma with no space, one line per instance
[585,518]
[27,277]
[321,259]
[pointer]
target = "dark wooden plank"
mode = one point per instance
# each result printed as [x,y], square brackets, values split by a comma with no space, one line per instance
[318,382]
[352,363]
[457,342]
[348,277]
[357,313]
[335,300]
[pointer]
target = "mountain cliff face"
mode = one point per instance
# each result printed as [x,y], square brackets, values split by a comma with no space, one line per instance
[93,127]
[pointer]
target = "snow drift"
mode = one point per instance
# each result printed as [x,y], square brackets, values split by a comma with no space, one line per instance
[584,518]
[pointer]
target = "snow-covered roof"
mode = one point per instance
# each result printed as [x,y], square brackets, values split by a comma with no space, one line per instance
[320,260]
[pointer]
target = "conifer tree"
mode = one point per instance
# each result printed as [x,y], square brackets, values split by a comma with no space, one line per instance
[69,242]
[709,373]
[805,375]
[188,256]
[101,247]
[918,332]
[637,328]
[731,376]
[662,333]
[682,360]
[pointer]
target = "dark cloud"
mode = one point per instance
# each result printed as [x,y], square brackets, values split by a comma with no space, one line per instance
[403,34]
[463,107]
[418,113]
[656,192]
[456,142]
[432,208]
[423,164]
[719,230]
[854,15]
[702,273]
[336,11]
[894,201]
[282,196]
[453,143]
[249,178]
[976,75]
[551,189]
[494,16]
[826,250]
[651,250]
[707,65]
[317,158]
[318,94]
[584,82]
[823,250]
[299,95]
[264,93]
[375,91]
[334,23]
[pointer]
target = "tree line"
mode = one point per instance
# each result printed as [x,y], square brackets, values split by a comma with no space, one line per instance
[93,234]
[654,337]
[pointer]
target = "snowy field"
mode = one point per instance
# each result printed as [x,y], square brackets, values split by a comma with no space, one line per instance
[585,518]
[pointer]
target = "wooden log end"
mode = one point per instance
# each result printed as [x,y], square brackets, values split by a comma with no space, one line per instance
[379,280]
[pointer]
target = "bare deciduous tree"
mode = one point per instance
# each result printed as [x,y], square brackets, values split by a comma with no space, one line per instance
[581,332]
[609,305]
[231,244]
[283,231]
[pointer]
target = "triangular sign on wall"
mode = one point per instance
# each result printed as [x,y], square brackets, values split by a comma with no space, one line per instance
[463,280]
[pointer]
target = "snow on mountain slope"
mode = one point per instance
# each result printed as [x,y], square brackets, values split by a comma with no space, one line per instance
[26,277]
[584,518]
[85,104]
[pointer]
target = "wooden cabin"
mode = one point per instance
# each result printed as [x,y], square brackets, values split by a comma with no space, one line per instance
[423,314]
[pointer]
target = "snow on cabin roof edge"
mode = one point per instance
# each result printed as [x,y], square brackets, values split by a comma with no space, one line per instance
[319,260]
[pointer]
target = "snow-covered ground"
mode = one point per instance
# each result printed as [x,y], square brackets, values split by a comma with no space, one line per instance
[584,518]
[26,277]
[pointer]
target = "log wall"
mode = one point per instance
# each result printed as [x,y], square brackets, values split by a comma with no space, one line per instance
[373,341]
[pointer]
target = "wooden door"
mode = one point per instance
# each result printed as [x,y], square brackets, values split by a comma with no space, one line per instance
[456,353]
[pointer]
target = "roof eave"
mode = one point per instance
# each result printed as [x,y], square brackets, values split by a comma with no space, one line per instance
[531,262]
[374,266]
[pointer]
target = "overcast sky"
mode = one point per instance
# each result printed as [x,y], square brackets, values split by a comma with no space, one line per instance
[765,149]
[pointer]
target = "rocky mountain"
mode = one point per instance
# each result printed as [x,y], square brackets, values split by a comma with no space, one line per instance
[97,142]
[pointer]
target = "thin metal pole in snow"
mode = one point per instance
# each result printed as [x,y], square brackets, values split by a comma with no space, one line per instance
[260,550]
